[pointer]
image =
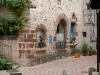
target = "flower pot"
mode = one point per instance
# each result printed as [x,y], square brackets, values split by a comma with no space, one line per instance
[94,53]
[84,54]
[90,54]
[76,55]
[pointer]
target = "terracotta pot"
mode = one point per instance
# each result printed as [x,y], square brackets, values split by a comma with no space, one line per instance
[90,54]
[75,55]
[84,54]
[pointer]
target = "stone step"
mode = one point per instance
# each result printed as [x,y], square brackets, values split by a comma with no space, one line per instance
[13,64]
[95,73]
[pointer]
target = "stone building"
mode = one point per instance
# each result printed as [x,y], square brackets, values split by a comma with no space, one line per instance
[50,21]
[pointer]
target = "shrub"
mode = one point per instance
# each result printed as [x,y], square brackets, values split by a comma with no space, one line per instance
[94,52]
[85,48]
[90,51]
[4,65]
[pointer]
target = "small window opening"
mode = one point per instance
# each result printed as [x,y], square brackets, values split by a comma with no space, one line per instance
[84,34]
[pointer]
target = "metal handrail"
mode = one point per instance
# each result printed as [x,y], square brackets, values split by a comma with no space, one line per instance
[5,51]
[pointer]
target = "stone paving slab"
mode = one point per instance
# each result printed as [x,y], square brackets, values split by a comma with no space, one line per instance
[73,66]
[3,73]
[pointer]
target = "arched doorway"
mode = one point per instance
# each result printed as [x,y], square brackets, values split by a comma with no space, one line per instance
[61,35]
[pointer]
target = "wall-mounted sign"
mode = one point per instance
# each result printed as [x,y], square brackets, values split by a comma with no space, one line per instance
[50,39]
[89,17]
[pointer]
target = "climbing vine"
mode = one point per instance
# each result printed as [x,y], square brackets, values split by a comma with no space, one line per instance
[17,7]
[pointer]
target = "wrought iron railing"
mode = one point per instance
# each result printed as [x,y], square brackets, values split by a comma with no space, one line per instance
[60,45]
[5,51]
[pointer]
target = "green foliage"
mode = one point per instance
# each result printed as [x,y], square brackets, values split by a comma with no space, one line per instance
[3,25]
[13,3]
[3,65]
[2,2]
[16,3]
[42,36]
[90,51]
[94,52]
[41,44]
[17,7]
[15,27]
[85,48]
[8,27]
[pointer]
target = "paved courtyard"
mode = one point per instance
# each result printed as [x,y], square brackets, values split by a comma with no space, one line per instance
[73,66]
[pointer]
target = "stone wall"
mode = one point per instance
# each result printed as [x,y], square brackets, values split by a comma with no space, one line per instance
[47,14]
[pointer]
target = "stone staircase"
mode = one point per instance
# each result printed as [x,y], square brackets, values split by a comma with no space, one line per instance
[6,53]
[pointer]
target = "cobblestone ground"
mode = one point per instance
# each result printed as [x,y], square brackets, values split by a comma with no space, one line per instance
[73,66]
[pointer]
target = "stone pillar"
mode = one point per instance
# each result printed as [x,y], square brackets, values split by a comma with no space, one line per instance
[65,33]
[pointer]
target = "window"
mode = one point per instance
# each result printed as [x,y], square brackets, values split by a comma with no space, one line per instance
[41,38]
[72,33]
[84,34]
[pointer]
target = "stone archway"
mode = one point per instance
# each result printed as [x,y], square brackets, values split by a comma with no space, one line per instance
[61,29]
[61,21]
[65,19]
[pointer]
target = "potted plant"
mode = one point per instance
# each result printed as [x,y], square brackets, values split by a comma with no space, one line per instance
[73,40]
[90,52]
[85,49]
[42,43]
[94,52]
[42,36]
[76,53]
